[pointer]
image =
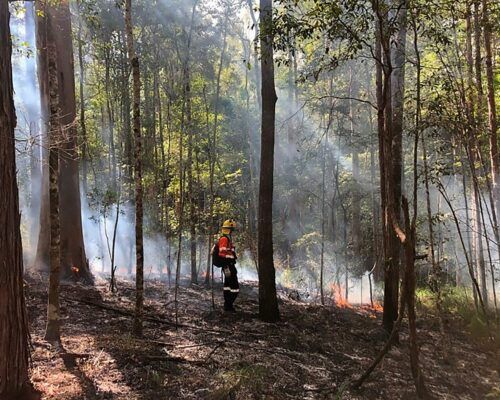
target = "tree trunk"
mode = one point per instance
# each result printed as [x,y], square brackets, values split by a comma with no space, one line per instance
[111,120]
[189,126]
[323,216]
[52,332]
[478,235]
[83,126]
[477,61]
[14,335]
[192,198]
[72,246]
[390,196]
[268,302]
[409,249]
[139,249]
[181,202]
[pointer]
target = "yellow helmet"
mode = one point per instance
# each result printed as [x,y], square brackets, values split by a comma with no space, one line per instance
[229,224]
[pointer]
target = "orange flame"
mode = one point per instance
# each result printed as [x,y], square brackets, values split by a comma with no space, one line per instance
[75,269]
[338,296]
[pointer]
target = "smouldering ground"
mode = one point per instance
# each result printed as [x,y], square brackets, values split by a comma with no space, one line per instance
[310,354]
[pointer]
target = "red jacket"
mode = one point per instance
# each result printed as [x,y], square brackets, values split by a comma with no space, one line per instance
[226,248]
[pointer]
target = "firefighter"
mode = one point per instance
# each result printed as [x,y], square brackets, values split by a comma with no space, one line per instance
[227,255]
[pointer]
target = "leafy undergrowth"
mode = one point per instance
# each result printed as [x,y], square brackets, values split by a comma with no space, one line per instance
[460,313]
[311,354]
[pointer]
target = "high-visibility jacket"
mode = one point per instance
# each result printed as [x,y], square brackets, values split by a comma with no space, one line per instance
[231,284]
[226,249]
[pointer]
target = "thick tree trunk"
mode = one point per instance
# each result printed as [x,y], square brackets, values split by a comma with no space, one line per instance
[72,245]
[58,19]
[14,336]
[139,249]
[268,302]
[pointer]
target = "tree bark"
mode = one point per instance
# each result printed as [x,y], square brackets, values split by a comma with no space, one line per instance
[14,335]
[139,249]
[58,18]
[268,302]
[52,332]
[390,194]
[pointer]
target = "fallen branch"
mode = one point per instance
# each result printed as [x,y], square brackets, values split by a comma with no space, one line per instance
[220,344]
[150,318]
[173,359]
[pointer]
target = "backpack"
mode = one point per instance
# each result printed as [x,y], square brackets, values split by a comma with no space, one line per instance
[217,260]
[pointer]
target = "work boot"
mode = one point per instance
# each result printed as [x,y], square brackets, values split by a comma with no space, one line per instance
[228,303]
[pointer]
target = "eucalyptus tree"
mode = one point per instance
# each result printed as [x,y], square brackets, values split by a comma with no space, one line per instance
[14,333]
[268,302]
[74,258]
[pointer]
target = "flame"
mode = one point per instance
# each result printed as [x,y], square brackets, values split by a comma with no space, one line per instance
[377,306]
[75,269]
[338,296]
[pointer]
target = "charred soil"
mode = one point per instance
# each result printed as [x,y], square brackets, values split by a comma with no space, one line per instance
[312,353]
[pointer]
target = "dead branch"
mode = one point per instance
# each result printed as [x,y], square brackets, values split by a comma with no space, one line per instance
[150,318]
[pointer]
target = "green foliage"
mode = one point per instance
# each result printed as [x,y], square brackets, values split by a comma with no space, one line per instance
[458,303]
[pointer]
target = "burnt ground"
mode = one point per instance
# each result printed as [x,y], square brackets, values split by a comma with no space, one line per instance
[311,354]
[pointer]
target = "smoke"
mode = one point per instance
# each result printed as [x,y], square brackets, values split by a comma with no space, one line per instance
[98,230]
[302,128]
[27,133]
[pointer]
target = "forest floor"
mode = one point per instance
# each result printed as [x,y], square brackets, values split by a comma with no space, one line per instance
[311,354]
